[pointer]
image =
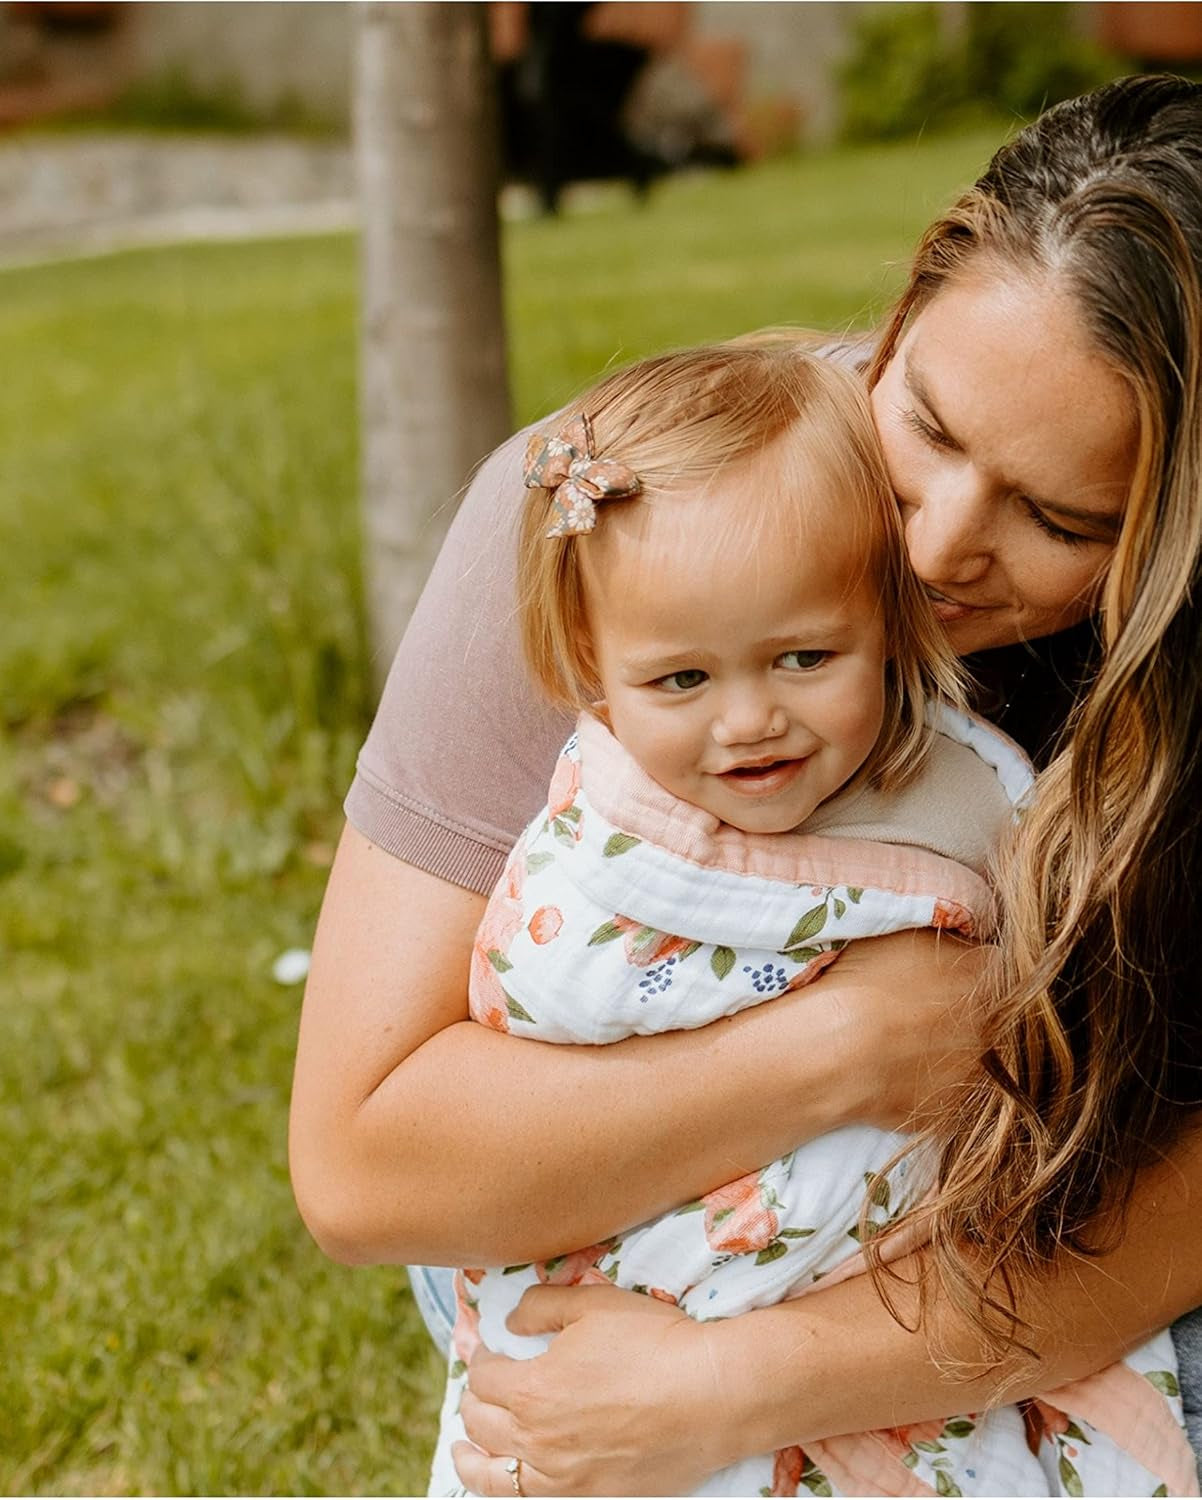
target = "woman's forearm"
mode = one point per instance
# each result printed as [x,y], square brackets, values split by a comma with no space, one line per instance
[545,1148]
[418,1135]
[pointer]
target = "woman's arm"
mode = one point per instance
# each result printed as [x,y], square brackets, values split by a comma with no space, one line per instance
[633,1397]
[417,1135]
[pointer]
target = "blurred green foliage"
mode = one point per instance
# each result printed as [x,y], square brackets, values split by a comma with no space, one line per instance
[910,68]
[173,102]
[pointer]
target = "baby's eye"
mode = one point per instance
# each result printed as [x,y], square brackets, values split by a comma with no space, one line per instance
[801,661]
[681,682]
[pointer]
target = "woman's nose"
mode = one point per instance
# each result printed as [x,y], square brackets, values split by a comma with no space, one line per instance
[749,715]
[948,531]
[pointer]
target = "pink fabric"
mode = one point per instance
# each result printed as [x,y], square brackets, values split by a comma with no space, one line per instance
[1127,1408]
[624,794]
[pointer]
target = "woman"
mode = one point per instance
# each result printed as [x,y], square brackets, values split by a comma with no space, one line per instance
[1037,396]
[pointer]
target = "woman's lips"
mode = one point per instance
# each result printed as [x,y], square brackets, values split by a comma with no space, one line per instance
[762,780]
[948,610]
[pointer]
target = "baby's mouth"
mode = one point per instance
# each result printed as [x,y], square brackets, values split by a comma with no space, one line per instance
[759,768]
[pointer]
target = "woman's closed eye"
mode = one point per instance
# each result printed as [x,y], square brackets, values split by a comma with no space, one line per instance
[801,661]
[683,681]
[1071,538]
[931,435]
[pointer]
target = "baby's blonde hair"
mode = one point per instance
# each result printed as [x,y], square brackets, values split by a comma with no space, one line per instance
[679,419]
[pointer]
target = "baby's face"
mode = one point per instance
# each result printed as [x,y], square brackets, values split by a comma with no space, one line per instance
[743,670]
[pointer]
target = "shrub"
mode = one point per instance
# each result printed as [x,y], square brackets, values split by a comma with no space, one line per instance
[909,69]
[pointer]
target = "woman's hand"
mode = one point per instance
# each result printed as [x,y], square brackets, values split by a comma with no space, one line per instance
[912,1022]
[628,1400]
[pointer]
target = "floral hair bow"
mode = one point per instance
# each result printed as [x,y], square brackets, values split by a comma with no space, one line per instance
[565,465]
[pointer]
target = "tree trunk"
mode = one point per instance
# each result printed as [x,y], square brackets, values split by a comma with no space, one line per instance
[435,395]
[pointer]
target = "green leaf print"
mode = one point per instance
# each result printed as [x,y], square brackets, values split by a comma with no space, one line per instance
[809,925]
[563,832]
[959,1427]
[1160,1489]
[815,1480]
[840,907]
[691,1208]
[944,1484]
[854,892]
[499,961]
[722,961]
[605,934]
[458,1369]
[800,955]
[1164,1381]
[619,843]
[911,1460]
[688,950]
[1074,1432]
[771,1252]
[571,814]
[721,1216]
[796,1234]
[1069,1478]
[924,1445]
[512,1270]
[517,1013]
[537,862]
[878,1189]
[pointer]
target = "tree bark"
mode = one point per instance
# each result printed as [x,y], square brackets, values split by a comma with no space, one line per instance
[435,395]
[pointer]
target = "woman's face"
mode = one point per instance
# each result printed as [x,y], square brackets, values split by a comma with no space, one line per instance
[1010,444]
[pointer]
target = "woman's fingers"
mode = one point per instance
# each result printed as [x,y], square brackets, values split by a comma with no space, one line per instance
[486,1474]
[550,1309]
[489,1426]
[494,1379]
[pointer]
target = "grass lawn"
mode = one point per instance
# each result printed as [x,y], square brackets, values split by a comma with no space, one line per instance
[183,686]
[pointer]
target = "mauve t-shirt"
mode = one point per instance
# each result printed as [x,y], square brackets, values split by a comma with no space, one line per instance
[463,745]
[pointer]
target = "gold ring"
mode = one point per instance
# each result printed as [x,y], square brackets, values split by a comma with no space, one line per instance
[513,1467]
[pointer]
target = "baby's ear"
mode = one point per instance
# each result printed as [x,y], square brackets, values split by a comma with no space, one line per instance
[600,710]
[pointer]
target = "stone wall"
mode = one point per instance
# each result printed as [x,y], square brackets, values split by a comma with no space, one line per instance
[95,191]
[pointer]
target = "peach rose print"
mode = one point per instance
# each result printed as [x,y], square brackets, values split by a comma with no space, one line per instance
[546,924]
[736,1218]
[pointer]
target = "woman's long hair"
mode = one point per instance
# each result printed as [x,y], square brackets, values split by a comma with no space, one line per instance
[1094,1036]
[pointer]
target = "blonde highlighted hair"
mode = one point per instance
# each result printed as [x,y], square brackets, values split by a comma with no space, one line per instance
[678,420]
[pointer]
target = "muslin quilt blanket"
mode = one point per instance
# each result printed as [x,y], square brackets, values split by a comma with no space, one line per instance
[624,911]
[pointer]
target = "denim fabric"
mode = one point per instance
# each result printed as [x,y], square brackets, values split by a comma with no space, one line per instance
[434,1292]
[1187,1336]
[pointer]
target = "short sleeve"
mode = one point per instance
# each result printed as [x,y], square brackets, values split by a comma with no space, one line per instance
[463,744]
